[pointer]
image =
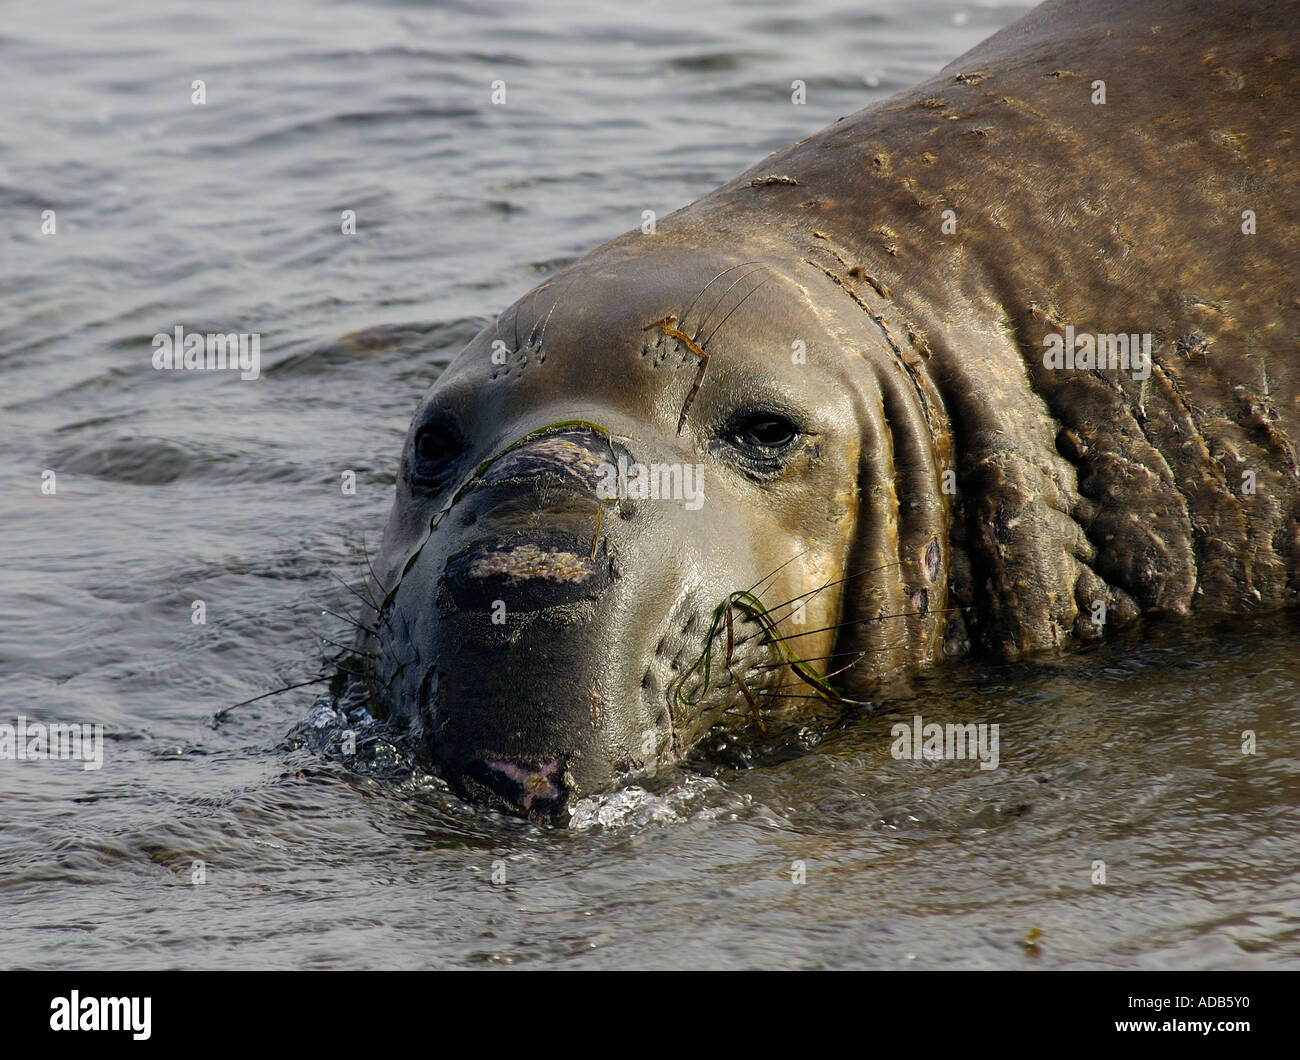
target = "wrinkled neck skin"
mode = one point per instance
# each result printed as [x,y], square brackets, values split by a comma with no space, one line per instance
[1006,202]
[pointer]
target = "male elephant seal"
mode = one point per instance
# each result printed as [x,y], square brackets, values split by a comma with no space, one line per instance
[1002,362]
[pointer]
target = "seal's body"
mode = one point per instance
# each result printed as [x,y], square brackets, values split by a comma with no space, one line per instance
[1004,361]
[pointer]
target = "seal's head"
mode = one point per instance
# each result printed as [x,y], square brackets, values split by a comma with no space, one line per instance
[648,499]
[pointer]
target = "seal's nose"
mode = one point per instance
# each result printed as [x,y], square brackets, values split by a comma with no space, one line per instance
[573,456]
[539,537]
[537,791]
[533,704]
[526,573]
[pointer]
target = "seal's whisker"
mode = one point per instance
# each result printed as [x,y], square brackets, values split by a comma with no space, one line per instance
[559,295]
[862,655]
[809,594]
[532,301]
[796,691]
[496,324]
[350,650]
[698,350]
[750,292]
[365,552]
[700,293]
[838,581]
[827,658]
[786,691]
[754,609]
[874,618]
[266,695]
[840,700]
[798,555]
[378,609]
[387,686]
[366,584]
[669,327]
[704,320]
[351,621]
[857,658]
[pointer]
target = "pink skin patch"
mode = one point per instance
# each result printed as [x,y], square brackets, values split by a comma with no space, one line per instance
[536,784]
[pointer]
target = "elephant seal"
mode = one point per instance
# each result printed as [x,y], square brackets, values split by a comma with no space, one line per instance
[998,364]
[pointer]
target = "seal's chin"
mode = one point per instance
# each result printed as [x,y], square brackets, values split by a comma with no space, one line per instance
[522,734]
[550,720]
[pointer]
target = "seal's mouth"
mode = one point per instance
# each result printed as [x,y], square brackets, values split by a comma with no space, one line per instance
[534,791]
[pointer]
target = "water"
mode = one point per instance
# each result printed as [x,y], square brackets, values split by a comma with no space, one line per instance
[174,488]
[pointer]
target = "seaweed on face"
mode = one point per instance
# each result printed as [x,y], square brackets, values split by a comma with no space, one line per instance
[669,327]
[746,602]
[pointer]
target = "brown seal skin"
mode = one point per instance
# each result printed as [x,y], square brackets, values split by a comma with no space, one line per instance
[851,342]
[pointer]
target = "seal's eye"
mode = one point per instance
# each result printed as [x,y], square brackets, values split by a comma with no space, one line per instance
[761,441]
[767,432]
[761,430]
[436,448]
[429,446]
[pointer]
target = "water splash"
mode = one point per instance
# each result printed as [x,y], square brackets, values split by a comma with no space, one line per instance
[695,798]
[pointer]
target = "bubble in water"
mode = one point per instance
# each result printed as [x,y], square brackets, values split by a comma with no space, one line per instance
[636,807]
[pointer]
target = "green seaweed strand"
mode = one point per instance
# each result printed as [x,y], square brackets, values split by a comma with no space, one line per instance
[751,605]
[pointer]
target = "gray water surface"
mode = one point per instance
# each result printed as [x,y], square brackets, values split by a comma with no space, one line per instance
[816,850]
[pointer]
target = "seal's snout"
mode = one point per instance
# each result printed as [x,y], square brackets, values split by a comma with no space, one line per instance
[539,656]
[529,611]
